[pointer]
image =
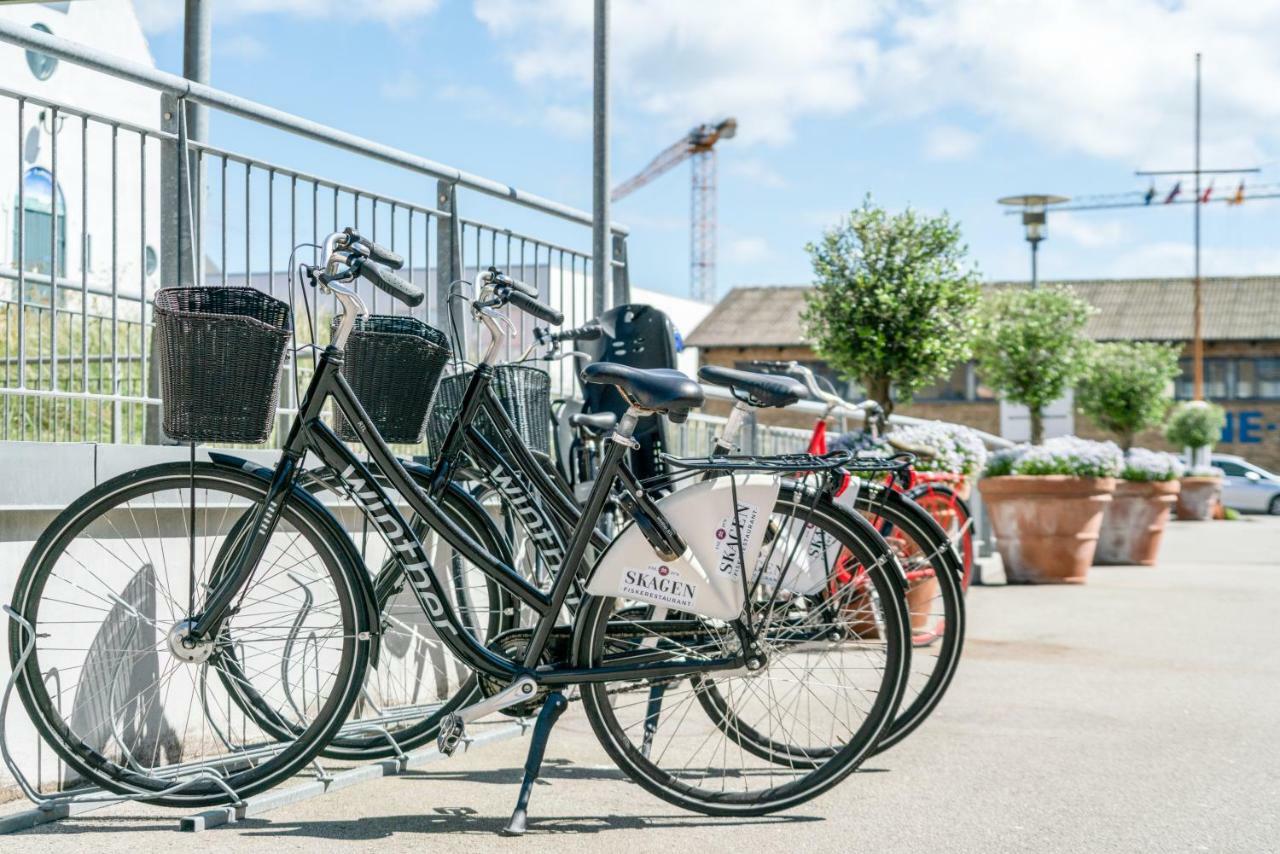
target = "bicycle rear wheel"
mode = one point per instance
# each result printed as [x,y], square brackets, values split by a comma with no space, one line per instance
[107,589]
[935,600]
[752,742]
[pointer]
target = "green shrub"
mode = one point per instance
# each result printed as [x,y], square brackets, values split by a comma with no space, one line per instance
[1031,346]
[1195,424]
[1126,387]
[893,302]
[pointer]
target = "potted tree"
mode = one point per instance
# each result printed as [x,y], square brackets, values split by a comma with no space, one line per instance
[1135,519]
[1125,389]
[1046,504]
[1045,501]
[1194,426]
[894,300]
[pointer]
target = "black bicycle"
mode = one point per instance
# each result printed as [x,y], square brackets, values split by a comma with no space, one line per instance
[793,675]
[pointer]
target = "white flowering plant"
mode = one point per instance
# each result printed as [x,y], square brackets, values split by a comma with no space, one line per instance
[956,449]
[1143,465]
[1204,471]
[1064,455]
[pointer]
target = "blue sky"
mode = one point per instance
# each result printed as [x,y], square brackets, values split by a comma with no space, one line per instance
[938,104]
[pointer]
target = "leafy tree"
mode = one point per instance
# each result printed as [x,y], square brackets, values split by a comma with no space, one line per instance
[893,305]
[1031,346]
[1126,387]
[1196,424]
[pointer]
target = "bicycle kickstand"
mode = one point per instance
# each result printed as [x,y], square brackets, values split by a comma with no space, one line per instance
[552,708]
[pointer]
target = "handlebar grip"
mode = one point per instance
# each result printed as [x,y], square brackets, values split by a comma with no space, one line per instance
[506,281]
[384,256]
[586,332]
[376,251]
[392,284]
[533,308]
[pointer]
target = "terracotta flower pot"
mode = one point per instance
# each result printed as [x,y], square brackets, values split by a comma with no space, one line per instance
[1199,497]
[1046,526]
[1134,522]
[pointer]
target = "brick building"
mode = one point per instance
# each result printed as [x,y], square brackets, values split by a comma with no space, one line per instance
[1242,351]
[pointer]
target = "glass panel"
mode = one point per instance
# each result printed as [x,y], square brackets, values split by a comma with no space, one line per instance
[1268,379]
[1215,380]
[1246,379]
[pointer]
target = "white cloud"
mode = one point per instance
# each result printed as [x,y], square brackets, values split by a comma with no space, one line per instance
[1090,233]
[241,46]
[1177,259]
[756,171]
[768,64]
[160,15]
[948,142]
[567,121]
[744,250]
[403,86]
[1111,80]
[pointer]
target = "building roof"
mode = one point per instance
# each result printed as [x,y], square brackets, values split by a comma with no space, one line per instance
[1245,308]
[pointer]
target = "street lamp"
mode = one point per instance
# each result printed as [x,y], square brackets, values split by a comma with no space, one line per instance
[1035,219]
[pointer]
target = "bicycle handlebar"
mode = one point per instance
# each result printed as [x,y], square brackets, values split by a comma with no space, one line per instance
[589,331]
[389,282]
[504,281]
[532,307]
[377,252]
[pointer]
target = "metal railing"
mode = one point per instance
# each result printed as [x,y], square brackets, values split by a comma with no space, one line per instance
[97,228]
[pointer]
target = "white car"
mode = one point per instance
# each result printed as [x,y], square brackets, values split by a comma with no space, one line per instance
[1248,487]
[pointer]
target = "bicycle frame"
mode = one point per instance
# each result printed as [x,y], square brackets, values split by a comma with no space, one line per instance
[309,433]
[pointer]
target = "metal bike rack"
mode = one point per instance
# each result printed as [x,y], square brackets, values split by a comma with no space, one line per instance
[64,805]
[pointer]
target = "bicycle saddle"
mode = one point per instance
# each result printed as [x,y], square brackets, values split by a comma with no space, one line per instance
[924,452]
[762,390]
[596,422]
[656,389]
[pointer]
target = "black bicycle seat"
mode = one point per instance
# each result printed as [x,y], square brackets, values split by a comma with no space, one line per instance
[655,389]
[761,390]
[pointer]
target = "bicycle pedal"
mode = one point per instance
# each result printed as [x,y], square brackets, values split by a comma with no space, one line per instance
[452,730]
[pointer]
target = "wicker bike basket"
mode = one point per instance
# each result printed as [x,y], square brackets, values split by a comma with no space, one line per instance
[221,349]
[525,393]
[393,365]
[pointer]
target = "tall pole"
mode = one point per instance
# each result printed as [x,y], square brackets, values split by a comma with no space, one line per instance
[1197,341]
[197,59]
[1035,245]
[601,267]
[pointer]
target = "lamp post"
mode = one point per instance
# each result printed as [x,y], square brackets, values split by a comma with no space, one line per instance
[1035,219]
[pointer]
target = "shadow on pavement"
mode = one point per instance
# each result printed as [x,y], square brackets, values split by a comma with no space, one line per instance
[467,820]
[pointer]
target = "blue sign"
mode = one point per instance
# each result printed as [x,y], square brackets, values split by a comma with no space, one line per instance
[1245,428]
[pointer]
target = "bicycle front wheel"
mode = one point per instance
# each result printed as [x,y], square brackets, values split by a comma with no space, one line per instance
[753,742]
[107,590]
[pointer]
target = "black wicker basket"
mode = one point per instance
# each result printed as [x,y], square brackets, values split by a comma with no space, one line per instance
[221,350]
[394,366]
[525,393]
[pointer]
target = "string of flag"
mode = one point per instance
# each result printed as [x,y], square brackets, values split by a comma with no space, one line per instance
[1177,194]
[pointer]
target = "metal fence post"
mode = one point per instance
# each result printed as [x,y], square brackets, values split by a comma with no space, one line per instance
[601,268]
[621,271]
[175,248]
[450,314]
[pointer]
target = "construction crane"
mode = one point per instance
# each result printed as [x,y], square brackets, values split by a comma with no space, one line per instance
[698,145]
